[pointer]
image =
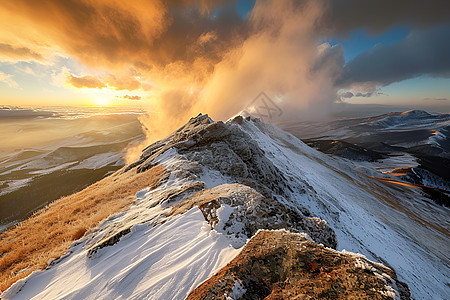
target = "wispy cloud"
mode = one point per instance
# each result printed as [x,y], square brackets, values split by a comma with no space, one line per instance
[29,71]
[436,99]
[16,53]
[351,94]
[129,83]
[6,78]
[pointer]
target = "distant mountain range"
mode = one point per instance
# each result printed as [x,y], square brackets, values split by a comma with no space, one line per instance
[419,142]
[48,154]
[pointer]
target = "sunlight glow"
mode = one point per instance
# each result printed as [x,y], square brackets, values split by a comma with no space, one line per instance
[102,100]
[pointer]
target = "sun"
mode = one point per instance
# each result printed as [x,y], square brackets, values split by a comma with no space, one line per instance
[102,100]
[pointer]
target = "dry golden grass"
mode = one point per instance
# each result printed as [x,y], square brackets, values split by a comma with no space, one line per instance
[47,234]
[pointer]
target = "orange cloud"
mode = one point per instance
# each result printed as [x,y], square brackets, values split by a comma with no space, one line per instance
[116,34]
[8,52]
[129,97]
[122,83]
[90,82]
[96,32]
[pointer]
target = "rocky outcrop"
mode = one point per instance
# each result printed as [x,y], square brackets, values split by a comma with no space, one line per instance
[223,147]
[253,199]
[284,265]
[244,211]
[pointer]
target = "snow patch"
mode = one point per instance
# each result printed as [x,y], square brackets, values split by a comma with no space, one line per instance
[236,292]
[51,170]
[13,185]
[141,194]
[224,213]
[99,161]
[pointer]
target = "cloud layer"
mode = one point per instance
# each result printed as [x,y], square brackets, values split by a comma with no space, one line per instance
[343,16]
[424,52]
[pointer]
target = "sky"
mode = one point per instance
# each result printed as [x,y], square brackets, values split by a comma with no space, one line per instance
[181,57]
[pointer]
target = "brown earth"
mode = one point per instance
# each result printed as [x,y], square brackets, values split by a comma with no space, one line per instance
[284,265]
[47,234]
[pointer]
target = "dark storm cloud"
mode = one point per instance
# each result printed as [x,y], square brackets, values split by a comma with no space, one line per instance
[421,53]
[379,15]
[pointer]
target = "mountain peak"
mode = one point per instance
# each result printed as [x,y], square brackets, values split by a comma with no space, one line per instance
[415,113]
[241,207]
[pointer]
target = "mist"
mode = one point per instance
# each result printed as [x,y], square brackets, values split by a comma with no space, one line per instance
[280,55]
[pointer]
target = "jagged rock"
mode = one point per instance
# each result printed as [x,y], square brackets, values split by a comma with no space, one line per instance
[195,131]
[107,242]
[284,265]
[251,212]
[219,156]
[258,200]
[223,147]
[177,195]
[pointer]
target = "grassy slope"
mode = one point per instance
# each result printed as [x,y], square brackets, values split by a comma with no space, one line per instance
[48,233]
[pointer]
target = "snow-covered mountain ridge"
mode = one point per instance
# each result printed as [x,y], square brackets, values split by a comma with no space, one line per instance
[413,146]
[227,181]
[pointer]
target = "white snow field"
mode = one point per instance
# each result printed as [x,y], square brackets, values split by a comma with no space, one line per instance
[389,224]
[163,262]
